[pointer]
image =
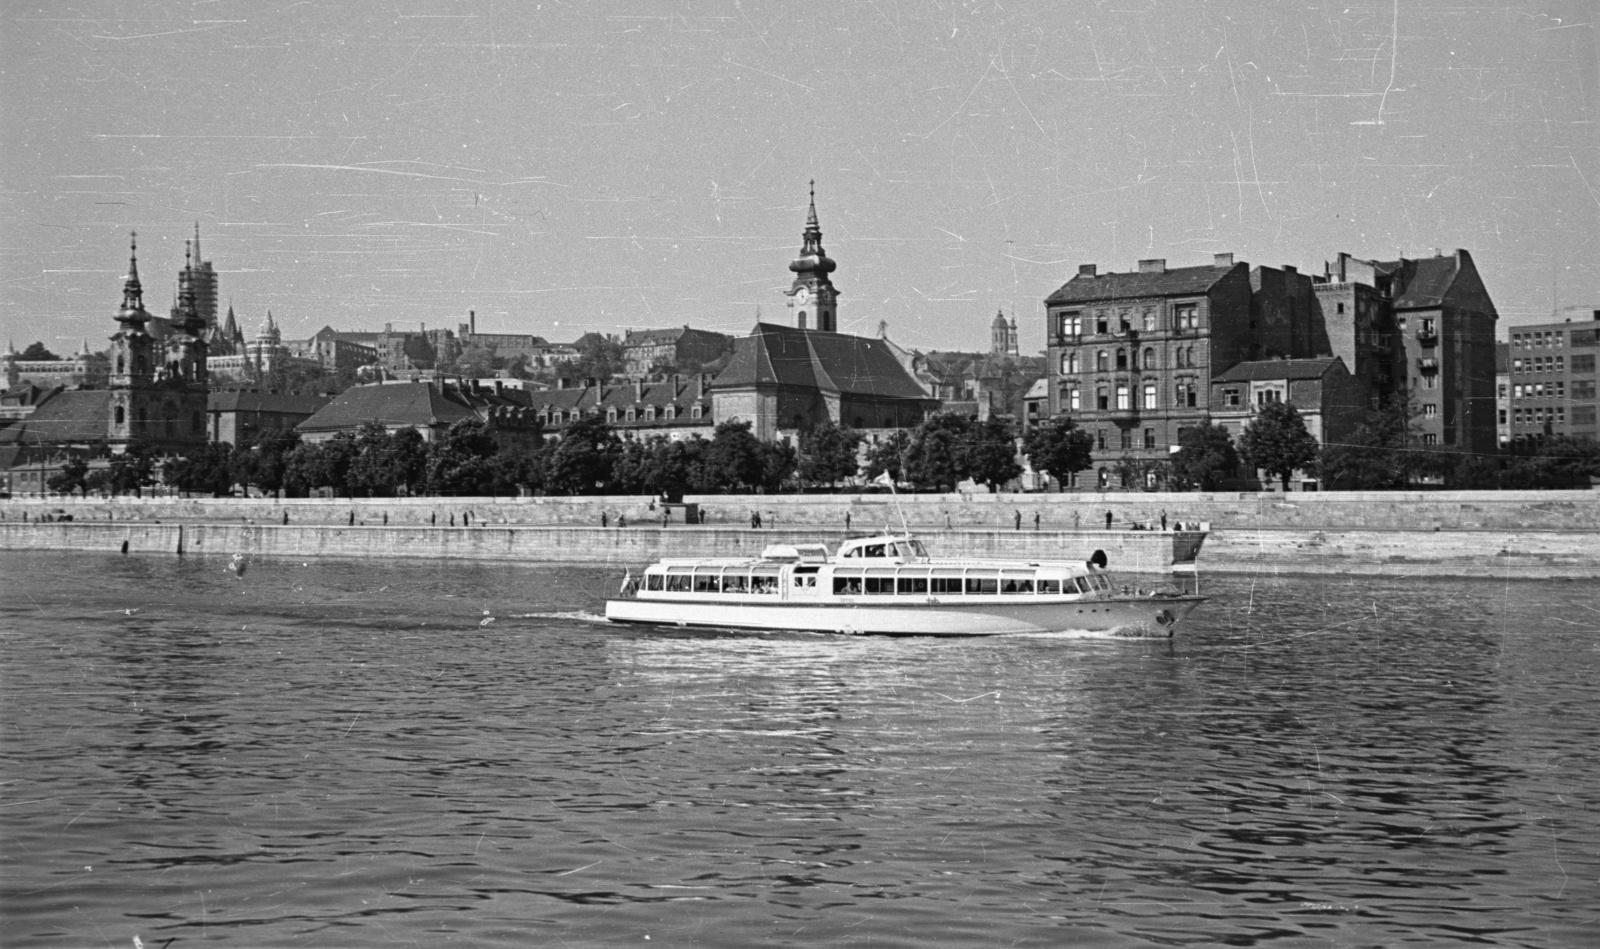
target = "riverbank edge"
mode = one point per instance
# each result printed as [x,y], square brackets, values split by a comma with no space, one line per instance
[1510,555]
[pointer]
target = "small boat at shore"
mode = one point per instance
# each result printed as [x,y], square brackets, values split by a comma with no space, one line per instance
[888,584]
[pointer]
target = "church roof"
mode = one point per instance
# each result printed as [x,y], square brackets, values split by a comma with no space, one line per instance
[393,404]
[248,400]
[831,362]
[72,416]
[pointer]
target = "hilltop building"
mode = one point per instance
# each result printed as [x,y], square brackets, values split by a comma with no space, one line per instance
[680,349]
[86,369]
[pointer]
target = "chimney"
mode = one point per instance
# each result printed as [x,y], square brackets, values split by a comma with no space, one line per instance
[472,321]
[1222,260]
[499,387]
[1086,270]
[1289,268]
[638,390]
[1153,265]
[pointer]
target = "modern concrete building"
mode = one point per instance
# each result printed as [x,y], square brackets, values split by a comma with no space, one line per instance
[1552,378]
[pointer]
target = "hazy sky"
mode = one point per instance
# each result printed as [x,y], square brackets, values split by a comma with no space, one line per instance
[565,167]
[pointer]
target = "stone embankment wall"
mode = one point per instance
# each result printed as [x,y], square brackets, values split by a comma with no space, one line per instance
[1337,511]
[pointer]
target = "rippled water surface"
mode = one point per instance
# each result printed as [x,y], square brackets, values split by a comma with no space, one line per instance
[382,753]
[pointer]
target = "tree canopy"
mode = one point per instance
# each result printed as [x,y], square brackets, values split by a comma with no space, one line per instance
[1277,442]
[1059,448]
[1204,457]
[828,453]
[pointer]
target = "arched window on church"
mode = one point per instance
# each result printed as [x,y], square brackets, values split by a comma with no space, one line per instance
[121,415]
[119,371]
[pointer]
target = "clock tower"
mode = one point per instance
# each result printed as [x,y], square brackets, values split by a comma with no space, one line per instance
[812,297]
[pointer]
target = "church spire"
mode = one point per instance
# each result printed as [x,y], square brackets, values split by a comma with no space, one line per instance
[132,290]
[812,291]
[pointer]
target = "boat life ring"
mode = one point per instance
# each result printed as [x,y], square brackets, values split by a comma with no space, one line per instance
[1165,618]
[1098,559]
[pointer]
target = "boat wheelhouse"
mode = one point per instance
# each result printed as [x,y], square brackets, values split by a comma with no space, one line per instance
[888,584]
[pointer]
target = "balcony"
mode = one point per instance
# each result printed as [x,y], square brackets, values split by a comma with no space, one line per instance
[1428,338]
[1428,364]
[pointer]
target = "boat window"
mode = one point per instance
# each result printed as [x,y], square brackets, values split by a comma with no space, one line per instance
[880,585]
[653,581]
[917,548]
[735,582]
[982,584]
[1083,584]
[944,584]
[1049,586]
[874,550]
[706,582]
[847,586]
[1016,585]
[679,583]
[805,581]
[911,585]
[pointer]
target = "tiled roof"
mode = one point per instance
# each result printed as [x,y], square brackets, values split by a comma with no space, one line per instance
[832,362]
[1269,369]
[404,403]
[75,416]
[1177,281]
[234,400]
[28,394]
[1426,281]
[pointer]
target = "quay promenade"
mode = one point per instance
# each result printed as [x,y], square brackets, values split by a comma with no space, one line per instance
[1514,535]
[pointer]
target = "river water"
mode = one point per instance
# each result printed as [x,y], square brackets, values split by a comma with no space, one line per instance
[398,753]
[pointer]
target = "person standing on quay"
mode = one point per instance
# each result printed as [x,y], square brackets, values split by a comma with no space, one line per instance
[603,522]
[1035,520]
[846,520]
[1016,520]
[1108,520]
[1163,518]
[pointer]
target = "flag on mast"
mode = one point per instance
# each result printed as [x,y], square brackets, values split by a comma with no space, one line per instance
[884,479]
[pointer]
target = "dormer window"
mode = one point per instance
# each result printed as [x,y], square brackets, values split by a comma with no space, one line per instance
[694,411]
[672,412]
[632,415]
[611,416]
[650,413]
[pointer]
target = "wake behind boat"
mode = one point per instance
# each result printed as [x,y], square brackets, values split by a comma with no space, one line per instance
[887,584]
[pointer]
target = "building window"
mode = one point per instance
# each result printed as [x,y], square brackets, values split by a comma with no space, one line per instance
[1123,403]
[1071,324]
[1100,443]
[611,416]
[1100,322]
[650,413]
[121,416]
[1122,358]
[1073,399]
[1340,308]
[1186,316]
[1069,363]
[1102,361]
[1127,439]
[1502,416]
[672,411]
[1230,397]
[1101,400]
[1430,410]
[1149,320]
[1149,438]
[1430,438]
[694,411]
[1430,381]
[1150,395]
[632,415]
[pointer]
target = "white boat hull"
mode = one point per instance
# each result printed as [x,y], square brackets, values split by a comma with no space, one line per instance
[1132,617]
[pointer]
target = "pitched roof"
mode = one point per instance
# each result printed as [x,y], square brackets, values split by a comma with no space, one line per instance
[75,416]
[832,362]
[246,400]
[1269,369]
[404,403]
[1177,281]
[1425,282]
[28,394]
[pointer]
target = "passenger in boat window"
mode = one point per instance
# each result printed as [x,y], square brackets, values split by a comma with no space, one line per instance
[705,583]
[1008,585]
[874,550]
[1024,586]
[1049,586]
[735,583]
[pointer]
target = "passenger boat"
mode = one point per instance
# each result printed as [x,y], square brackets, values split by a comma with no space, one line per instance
[887,584]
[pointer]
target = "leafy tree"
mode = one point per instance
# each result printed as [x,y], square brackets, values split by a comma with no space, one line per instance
[778,464]
[888,455]
[208,469]
[324,465]
[828,453]
[599,357]
[73,476]
[1557,461]
[735,459]
[1277,442]
[1205,454]
[478,361]
[1378,455]
[991,452]
[37,352]
[581,462]
[133,470]
[1059,448]
[265,463]
[936,455]
[459,461]
[516,468]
